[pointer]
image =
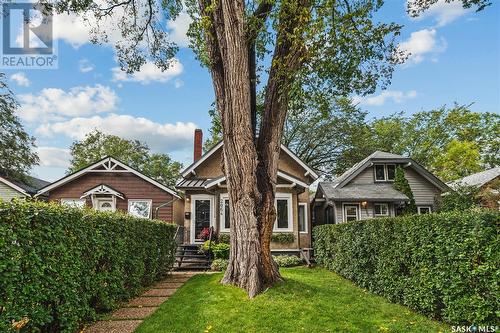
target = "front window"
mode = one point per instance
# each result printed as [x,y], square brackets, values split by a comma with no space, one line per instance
[78,203]
[381,209]
[284,220]
[351,213]
[225,223]
[140,208]
[379,172]
[424,210]
[303,217]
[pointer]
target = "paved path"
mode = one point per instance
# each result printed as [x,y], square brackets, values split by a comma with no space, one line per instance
[128,318]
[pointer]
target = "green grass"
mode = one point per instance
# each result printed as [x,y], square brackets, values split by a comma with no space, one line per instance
[310,300]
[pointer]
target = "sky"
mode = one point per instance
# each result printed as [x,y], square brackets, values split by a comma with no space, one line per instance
[455,57]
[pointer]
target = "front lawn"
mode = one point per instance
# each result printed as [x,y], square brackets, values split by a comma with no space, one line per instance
[311,300]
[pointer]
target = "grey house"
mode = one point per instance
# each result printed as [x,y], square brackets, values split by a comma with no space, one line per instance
[366,190]
[11,188]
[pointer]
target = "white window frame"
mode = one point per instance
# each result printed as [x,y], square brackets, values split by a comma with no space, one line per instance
[305,217]
[428,207]
[222,222]
[195,197]
[150,201]
[382,204]
[358,210]
[69,202]
[375,173]
[288,197]
[387,173]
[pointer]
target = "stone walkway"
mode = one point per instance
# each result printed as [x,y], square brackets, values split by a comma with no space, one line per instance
[128,318]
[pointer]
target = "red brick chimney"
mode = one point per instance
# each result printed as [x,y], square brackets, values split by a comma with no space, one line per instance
[198,141]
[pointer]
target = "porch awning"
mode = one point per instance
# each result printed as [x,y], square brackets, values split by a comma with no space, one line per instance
[102,189]
[364,192]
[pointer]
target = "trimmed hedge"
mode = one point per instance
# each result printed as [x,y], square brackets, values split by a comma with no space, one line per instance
[283,237]
[446,265]
[61,266]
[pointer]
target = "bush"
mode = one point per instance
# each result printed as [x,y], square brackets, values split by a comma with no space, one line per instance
[221,250]
[219,265]
[224,238]
[60,266]
[443,265]
[283,237]
[287,261]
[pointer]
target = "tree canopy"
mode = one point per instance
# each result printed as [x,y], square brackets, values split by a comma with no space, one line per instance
[134,153]
[17,148]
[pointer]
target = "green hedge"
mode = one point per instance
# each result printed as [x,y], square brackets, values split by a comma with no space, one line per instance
[283,237]
[446,265]
[61,266]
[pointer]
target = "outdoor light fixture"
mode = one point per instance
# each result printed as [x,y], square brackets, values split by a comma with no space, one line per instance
[364,203]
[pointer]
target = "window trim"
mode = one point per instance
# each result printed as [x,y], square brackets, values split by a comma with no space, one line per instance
[305,217]
[222,221]
[288,197]
[381,215]
[150,201]
[375,173]
[428,207]
[62,202]
[358,210]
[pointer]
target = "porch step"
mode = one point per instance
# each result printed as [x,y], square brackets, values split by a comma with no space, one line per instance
[188,257]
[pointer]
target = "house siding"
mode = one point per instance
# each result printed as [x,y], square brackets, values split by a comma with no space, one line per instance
[424,192]
[365,177]
[130,185]
[7,193]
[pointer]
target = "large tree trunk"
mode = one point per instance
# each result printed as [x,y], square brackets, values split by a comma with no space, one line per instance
[250,167]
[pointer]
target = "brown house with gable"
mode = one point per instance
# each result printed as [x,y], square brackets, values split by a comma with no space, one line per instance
[207,202]
[110,185]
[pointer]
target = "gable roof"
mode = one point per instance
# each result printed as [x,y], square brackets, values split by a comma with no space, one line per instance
[385,157]
[28,187]
[477,179]
[107,164]
[209,153]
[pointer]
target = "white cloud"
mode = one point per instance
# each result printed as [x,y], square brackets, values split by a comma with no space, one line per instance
[54,157]
[159,136]
[179,28]
[85,65]
[422,43]
[377,100]
[20,79]
[57,104]
[443,12]
[149,72]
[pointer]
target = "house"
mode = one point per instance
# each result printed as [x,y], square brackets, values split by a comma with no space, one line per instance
[207,202]
[366,190]
[11,188]
[488,183]
[110,185]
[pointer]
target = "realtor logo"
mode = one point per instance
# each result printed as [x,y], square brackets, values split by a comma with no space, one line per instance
[27,36]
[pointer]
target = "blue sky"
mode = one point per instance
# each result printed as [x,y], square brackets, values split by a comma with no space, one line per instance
[455,58]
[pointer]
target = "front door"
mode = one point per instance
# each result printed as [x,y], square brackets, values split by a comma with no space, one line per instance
[202,212]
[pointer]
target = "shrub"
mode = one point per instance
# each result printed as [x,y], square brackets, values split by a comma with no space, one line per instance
[461,198]
[60,266]
[401,184]
[287,261]
[224,238]
[219,265]
[283,237]
[221,251]
[443,265]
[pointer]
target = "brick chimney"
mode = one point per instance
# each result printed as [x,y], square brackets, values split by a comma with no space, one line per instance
[198,141]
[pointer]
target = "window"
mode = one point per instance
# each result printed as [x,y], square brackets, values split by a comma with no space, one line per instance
[303,217]
[379,172]
[351,212]
[225,223]
[424,210]
[284,212]
[140,208]
[385,172]
[391,171]
[381,209]
[78,203]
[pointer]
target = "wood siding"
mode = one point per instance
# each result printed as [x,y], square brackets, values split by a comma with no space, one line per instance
[131,186]
[425,193]
[7,193]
